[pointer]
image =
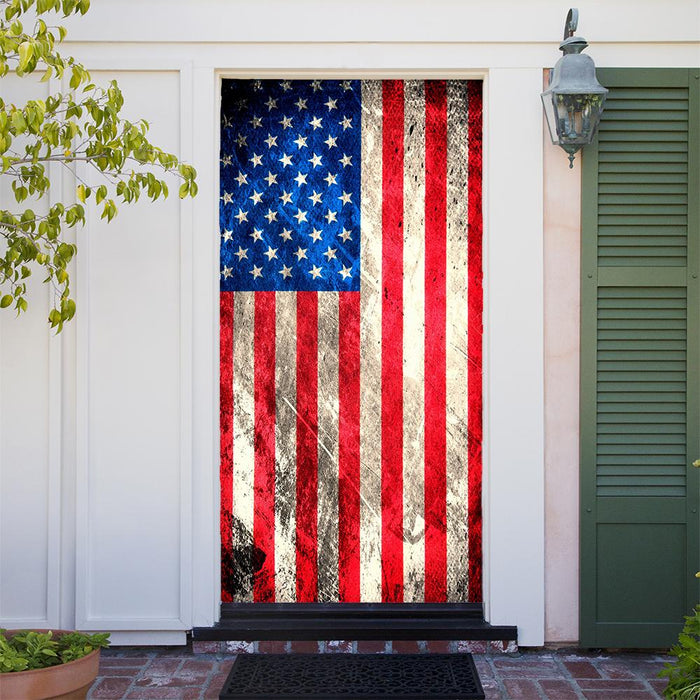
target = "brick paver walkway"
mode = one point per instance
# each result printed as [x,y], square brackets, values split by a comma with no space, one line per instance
[530,674]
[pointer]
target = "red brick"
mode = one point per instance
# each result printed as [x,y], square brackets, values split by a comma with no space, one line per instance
[521,688]
[238,647]
[582,669]
[609,684]
[526,667]
[225,666]
[197,666]
[475,646]
[483,667]
[111,687]
[215,686]
[659,686]
[439,646]
[616,669]
[339,646]
[371,646]
[122,661]
[162,667]
[619,695]
[170,693]
[558,690]
[405,646]
[272,647]
[304,647]
[206,647]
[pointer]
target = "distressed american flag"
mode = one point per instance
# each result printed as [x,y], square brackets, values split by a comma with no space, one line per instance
[351,329]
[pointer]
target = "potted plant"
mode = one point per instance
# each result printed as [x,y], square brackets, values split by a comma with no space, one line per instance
[41,664]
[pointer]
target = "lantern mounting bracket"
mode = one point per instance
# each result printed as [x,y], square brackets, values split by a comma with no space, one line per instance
[571,23]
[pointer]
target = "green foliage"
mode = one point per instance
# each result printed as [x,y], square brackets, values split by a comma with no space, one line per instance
[684,673]
[27,650]
[80,124]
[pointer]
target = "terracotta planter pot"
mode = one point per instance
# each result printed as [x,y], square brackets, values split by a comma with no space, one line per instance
[69,681]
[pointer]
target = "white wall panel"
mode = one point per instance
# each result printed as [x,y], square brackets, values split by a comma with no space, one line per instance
[133,359]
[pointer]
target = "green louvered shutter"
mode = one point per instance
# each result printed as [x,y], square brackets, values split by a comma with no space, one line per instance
[639,360]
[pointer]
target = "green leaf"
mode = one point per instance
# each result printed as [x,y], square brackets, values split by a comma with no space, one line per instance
[26,53]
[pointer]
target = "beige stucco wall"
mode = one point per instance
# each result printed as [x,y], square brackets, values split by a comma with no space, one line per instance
[562,236]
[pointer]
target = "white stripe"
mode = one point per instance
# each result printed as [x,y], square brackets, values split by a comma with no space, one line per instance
[285,446]
[371,345]
[457,361]
[243,435]
[413,342]
[328,447]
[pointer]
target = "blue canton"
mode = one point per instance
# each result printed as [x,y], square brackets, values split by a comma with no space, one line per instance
[289,209]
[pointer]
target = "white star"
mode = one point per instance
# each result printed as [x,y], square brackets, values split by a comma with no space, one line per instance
[346,160]
[271,104]
[286,197]
[315,198]
[241,253]
[300,179]
[226,198]
[347,85]
[315,160]
[227,235]
[286,122]
[241,140]
[256,235]
[346,198]
[346,123]
[300,253]
[316,85]
[331,216]
[316,235]
[286,234]
[331,141]
[227,272]
[226,160]
[331,104]
[330,253]
[285,160]
[271,216]
[256,122]
[256,197]
[286,85]
[257,85]
[315,123]
[256,160]
[227,121]
[301,104]
[271,179]
[270,252]
[345,272]
[331,179]
[271,140]
[241,216]
[315,272]
[300,141]
[241,179]
[256,272]
[286,271]
[300,216]
[345,235]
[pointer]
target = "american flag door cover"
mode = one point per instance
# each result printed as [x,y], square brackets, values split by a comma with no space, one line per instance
[351,330]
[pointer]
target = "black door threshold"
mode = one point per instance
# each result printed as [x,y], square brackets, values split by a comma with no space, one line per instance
[353,621]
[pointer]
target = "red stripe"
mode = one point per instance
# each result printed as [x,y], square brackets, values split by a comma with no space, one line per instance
[349,447]
[474,351]
[392,341]
[435,395]
[307,450]
[226,445]
[264,481]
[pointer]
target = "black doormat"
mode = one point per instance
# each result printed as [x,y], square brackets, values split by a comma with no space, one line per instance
[340,676]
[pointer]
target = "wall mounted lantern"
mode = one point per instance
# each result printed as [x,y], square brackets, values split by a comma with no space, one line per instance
[573,102]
